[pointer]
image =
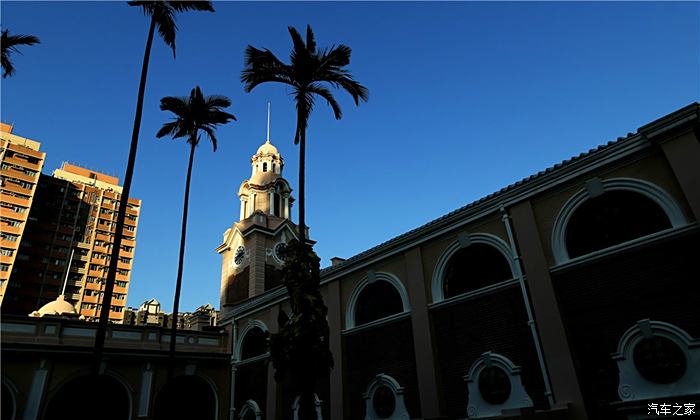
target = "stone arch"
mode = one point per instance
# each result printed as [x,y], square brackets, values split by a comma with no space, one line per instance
[596,187]
[186,397]
[251,325]
[318,405]
[9,399]
[109,389]
[464,241]
[251,409]
[371,278]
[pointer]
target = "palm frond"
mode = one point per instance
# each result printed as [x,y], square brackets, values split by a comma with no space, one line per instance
[310,41]
[326,94]
[194,114]
[8,45]
[184,6]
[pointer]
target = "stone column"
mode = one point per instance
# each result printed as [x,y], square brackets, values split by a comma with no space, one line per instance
[332,299]
[565,384]
[36,392]
[422,335]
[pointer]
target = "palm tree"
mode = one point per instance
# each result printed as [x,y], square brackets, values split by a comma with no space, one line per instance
[194,114]
[8,44]
[299,351]
[309,74]
[162,14]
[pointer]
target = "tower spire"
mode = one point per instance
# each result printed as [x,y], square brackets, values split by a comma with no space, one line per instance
[268,122]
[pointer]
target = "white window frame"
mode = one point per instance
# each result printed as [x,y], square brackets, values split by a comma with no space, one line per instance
[596,187]
[518,398]
[318,404]
[400,412]
[252,324]
[370,278]
[250,405]
[464,240]
[633,386]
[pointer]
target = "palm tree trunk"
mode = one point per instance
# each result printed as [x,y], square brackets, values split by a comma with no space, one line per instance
[116,246]
[178,283]
[302,190]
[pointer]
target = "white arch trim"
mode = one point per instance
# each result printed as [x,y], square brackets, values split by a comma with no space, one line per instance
[12,389]
[371,277]
[652,191]
[400,412]
[518,397]
[474,238]
[632,385]
[253,323]
[250,405]
[317,404]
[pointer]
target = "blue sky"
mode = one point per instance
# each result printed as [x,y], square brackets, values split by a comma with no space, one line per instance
[465,98]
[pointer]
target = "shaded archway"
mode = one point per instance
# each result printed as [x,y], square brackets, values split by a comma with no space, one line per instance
[187,398]
[90,397]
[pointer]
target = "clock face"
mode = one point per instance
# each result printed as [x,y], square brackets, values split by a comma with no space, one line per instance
[279,251]
[239,255]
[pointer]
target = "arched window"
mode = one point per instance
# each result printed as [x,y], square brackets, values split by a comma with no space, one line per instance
[264,166]
[611,212]
[474,267]
[254,343]
[612,218]
[273,167]
[378,296]
[475,262]
[376,301]
[494,385]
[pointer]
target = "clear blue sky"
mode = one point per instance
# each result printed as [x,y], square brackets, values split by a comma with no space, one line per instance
[465,98]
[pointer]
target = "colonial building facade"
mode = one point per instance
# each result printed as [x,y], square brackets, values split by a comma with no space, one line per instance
[571,294]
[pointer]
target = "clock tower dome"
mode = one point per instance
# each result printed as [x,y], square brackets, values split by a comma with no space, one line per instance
[251,248]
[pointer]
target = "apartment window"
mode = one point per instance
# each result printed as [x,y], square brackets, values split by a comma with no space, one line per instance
[121,283]
[7,252]
[122,271]
[4,267]
[125,260]
[9,237]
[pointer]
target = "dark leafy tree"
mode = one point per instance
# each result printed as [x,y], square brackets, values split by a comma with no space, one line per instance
[299,351]
[192,115]
[8,45]
[162,14]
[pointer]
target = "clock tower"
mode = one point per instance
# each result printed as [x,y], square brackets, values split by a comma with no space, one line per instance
[251,260]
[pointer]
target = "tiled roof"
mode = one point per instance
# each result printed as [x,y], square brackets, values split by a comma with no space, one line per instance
[592,153]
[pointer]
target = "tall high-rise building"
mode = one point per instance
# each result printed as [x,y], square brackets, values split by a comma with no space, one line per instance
[21,163]
[68,241]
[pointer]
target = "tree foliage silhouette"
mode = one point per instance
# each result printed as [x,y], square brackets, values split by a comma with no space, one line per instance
[162,14]
[192,115]
[8,45]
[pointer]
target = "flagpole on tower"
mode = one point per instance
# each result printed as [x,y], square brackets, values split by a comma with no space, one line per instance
[268,122]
